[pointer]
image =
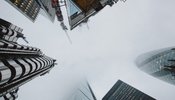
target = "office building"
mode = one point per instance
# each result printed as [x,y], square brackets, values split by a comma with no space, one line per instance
[10,32]
[79,11]
[123,91]
[48,10]
[19,64]
[32,8]
[29,8]
[159,63]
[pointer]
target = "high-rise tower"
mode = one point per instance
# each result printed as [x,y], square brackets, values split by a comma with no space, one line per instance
[79,11]
[48,10]
[160,64]
[123,91]
[18,63]
[31,8]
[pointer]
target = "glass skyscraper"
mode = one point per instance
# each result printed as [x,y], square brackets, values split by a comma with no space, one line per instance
[79,11]
[123,91]
[49,11]
[31,8]
[160,64]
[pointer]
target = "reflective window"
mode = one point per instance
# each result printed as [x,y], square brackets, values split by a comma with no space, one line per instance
[72,8]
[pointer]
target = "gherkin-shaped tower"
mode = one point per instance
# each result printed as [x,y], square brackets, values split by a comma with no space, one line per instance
[160,64]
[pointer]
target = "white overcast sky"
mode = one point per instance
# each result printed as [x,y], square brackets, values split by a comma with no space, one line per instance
[104,53]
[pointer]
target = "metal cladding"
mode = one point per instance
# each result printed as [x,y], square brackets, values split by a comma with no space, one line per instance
[19,63]
[123,91]
[11,95]
[10,32]
[9,25]
[160,64]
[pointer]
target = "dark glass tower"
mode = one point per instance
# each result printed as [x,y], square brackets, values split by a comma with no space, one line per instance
[18,63]
[160,64]
[123,91]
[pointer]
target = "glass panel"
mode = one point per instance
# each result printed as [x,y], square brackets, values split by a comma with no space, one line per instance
[72,8]
[77,15]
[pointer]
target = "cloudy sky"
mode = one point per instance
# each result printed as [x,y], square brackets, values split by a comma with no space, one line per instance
[104,50]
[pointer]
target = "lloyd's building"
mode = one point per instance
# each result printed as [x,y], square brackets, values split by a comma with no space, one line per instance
[18,63]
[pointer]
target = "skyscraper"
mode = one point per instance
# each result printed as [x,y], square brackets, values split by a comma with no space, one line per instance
[83,91]
[160,64]
[31,8]
[18,63]
[49,11]
[79,11]
[123,91]
[10,32]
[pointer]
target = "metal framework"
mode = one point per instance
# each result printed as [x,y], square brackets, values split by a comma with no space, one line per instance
[18,63]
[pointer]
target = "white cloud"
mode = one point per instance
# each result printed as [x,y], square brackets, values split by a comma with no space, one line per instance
[105,53]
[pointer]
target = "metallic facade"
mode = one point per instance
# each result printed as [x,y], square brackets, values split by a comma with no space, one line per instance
[123,91]
[18,63]
[10,32]
[160,64]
